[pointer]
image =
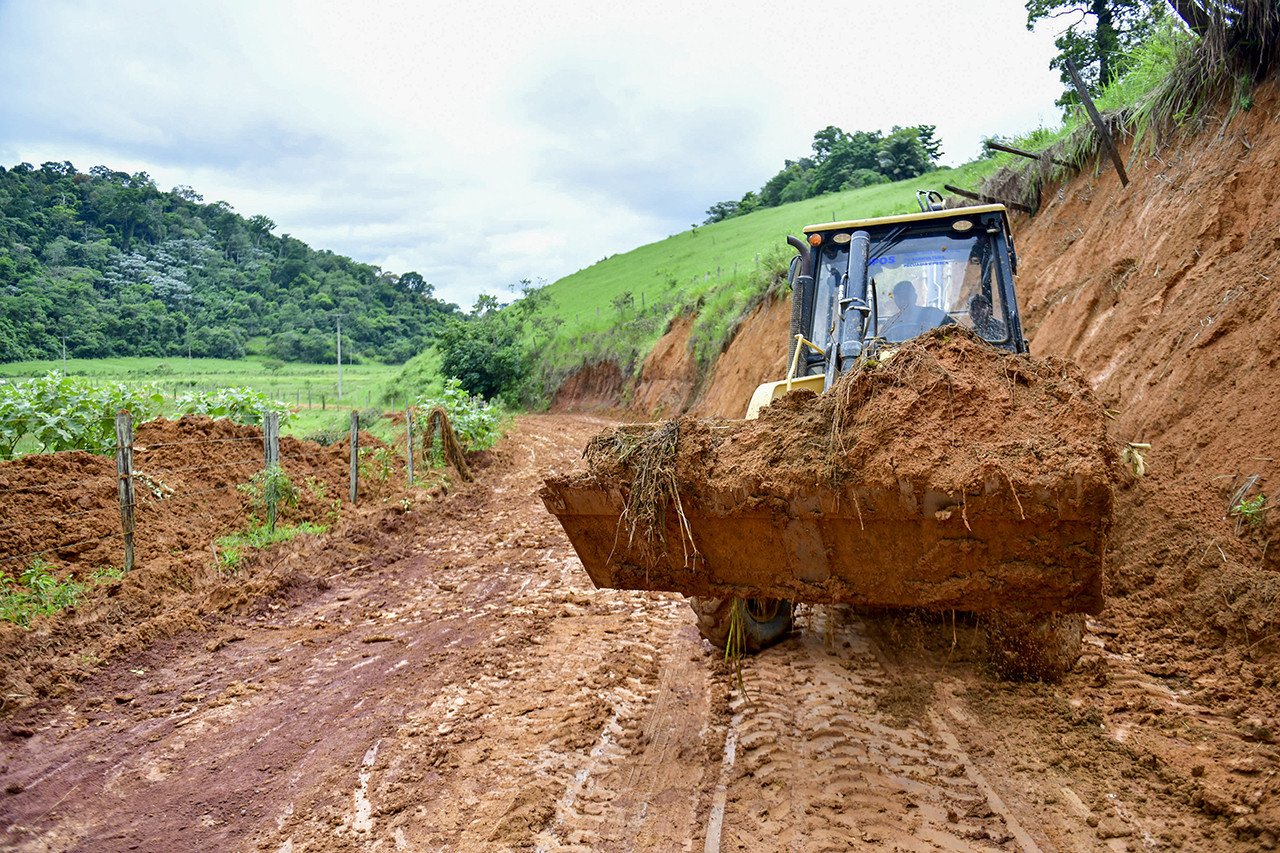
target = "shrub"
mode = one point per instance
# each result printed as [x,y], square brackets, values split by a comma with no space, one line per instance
[268,490]
[67,413]
[240,405]
[476,423]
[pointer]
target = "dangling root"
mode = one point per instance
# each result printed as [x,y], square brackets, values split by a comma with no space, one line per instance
[451,447]
[651,459]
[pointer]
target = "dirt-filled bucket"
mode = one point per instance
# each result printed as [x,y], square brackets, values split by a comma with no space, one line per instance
[950,475]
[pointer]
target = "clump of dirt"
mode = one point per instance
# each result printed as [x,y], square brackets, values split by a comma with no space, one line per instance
[950,474]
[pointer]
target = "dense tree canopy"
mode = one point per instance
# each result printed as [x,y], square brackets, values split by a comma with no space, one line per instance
[841,161]
[116,267]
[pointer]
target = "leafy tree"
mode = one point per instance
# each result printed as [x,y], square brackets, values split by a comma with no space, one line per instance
[902,154]
[486,352]
[721,210]
[845,154]
[1098,36]
[771,192]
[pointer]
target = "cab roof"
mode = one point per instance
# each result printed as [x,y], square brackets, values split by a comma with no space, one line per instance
[953,213]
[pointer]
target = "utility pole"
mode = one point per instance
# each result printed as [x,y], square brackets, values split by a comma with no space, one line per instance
[338,317]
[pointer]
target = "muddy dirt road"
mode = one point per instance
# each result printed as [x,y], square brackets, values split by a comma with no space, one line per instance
[471,691]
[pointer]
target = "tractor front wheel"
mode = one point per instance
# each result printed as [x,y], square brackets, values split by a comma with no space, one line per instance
[765,621]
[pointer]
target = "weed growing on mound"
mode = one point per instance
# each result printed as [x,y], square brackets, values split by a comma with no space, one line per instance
[377,464]
[1249,511]
[38,592]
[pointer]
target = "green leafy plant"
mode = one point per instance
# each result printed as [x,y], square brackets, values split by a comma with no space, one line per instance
[57,412]
[268,490]
[477,424]
[36,592]
[239,405]
[377,464]
[1249,511]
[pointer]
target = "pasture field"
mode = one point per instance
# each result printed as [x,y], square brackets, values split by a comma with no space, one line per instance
[619,306]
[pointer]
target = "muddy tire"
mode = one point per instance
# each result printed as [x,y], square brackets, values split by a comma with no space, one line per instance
[1037,647]
[765,621]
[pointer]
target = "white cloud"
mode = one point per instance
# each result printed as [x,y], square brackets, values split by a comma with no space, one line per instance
[540,137]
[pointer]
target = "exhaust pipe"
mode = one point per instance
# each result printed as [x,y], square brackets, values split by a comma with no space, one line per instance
[800,289]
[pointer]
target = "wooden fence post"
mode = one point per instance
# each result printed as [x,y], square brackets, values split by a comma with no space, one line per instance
[124,475]
[271,438]
[355,454]
[408,434]
[1108,144]
[271,455]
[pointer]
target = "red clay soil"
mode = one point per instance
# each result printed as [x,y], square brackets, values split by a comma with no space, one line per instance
[953,475]
[667,378]
[1165,292]
[757,354]
[593,387]
[66,505]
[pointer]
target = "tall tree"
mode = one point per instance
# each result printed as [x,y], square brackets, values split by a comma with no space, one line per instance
[1098,36]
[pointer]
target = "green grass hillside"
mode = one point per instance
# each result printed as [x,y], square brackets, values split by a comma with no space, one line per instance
[617,309]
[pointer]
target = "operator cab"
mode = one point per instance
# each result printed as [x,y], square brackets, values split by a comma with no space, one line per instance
[924,270]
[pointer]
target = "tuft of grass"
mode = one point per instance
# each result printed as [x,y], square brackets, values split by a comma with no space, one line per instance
[233,547]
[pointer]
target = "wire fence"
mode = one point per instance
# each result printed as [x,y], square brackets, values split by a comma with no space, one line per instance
[69,518]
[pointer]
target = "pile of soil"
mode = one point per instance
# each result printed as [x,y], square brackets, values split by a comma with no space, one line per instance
[949,475]
[63,509]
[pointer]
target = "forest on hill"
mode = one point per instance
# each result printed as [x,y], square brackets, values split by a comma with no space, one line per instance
[108,264]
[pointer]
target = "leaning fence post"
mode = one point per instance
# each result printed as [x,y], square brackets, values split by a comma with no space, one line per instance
[1108,144]
[408,434]
[355,454]
[124,475]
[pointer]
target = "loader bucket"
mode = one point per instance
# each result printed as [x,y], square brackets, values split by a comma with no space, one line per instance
[903,546]
[954,477]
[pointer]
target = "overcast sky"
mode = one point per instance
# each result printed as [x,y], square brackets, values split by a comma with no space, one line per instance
[409,134]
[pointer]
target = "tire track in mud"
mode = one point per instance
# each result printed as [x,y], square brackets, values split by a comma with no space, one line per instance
[833,750]
[580,724]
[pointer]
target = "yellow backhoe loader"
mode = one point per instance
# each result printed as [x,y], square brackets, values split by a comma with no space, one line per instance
[871,474]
